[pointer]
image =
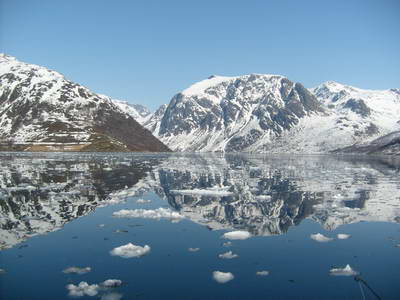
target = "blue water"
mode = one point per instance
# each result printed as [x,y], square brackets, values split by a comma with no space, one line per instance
[303,195]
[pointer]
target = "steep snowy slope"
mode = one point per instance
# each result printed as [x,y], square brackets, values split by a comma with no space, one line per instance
[139,112]
[269,113]
[387,144]
[40,110]
[244,113]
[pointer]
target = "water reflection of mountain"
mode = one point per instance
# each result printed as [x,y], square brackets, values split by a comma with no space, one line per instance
[39,194]
[265,195]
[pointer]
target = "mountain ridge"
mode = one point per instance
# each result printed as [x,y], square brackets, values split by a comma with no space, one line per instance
[196,118]
[43,111]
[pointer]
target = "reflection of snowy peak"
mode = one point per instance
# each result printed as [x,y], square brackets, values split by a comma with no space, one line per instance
[41,110]
[41,195]
[264,195]
[268,195]
[269,113]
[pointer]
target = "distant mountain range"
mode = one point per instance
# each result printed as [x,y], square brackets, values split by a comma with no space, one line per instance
[251,113]
[40,110]
[269,113]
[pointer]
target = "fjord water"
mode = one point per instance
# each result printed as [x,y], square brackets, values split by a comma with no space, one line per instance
[59,211]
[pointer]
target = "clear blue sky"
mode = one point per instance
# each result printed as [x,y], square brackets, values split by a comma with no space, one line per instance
[146,51]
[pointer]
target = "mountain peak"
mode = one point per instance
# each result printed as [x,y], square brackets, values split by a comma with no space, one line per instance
[6,57]
[40,110]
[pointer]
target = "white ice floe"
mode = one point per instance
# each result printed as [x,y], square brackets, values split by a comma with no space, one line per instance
[346,271]
[2,271]
[227,244]
[111,283]
[77,270]
[83,289]
[111,296]
[228,255]
[236,235]
[343,236]
[193,249]
[142,201]
[262,273]
[130,250]
[319,237]
[203,192]
[159,213]
[222,277]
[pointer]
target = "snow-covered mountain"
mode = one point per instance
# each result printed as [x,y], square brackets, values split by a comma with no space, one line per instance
[139,112]
[40,110]
[269,113]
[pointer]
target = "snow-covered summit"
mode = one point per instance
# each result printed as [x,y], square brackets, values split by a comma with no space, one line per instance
[270,113]
[39,106]
[240,113]
[139,112]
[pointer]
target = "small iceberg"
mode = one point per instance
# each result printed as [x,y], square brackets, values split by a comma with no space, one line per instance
[82,289]
[346,271]
[227,244]
[193,249]
[159,213]
[130,250]
[343,236]
[77,270]
[237,235]
[222,277]
[111,283]
[319,237]
[262,273]
[228,255]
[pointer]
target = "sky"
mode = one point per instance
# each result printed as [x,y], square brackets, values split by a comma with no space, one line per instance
[147,51]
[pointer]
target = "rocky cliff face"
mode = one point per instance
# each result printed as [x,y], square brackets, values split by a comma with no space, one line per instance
[41,110]
[269,113]
[234,113]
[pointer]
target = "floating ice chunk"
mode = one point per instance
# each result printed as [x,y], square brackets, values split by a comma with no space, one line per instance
[142,201]
[203,192]
[82,289]
[101,225]
[320,238]
[227,244]
[346,271]
[262,273]
[130,250]
[77,270]
[2,271]
[193,249]
[111,296]
[111,283]
[222,277]
[236,235]
[343,236]
[159,213]
[228,255]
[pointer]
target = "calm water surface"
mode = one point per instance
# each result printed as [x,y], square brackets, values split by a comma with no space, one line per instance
[72,210]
